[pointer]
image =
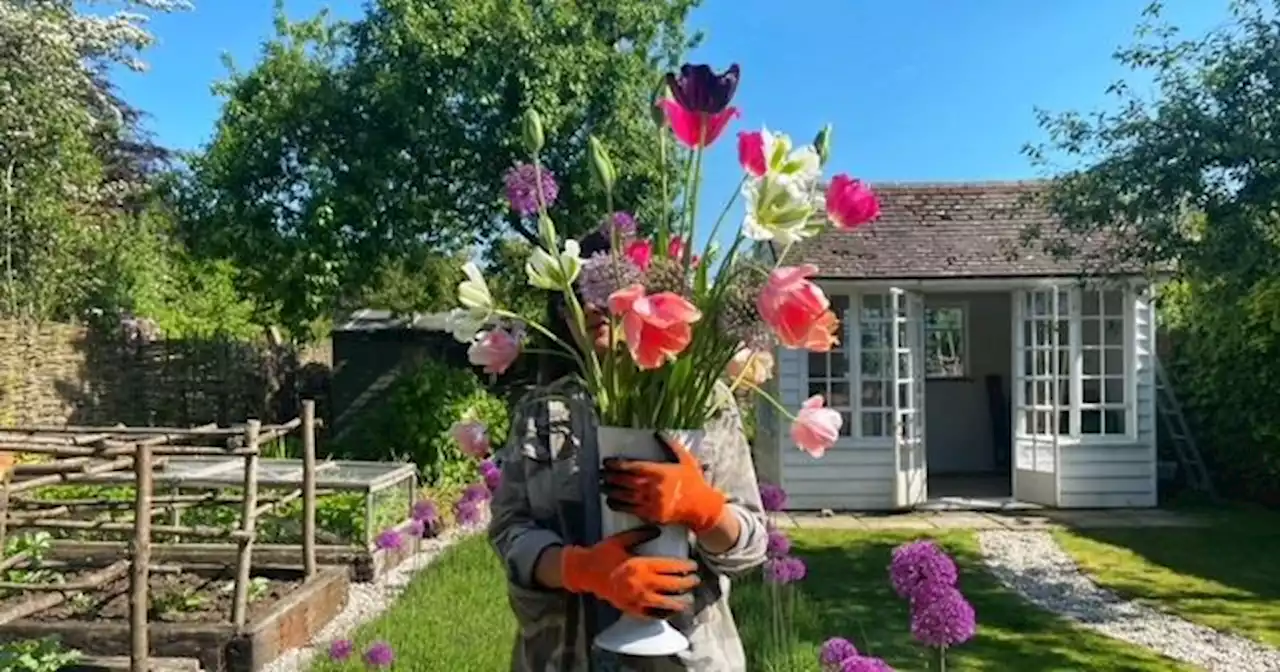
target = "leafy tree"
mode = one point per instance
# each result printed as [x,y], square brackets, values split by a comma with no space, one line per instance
[1190,180]
[349,145]
[72,160]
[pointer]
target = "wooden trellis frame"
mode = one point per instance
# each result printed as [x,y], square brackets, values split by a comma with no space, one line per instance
[85,453]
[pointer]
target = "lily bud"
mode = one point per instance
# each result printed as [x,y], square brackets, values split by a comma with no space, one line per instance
[531,129]
[547,230]
[822,144]
[601,166]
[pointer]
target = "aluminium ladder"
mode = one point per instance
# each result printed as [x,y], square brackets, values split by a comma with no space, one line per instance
[1179,432]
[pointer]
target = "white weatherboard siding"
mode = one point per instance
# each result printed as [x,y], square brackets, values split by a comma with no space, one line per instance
[1120,474]
[848,476]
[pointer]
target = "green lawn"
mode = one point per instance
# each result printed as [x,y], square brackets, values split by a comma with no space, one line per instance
[1224,576]
[454,616]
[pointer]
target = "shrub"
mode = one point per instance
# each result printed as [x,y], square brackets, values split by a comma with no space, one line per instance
[1224,335]
[413,422]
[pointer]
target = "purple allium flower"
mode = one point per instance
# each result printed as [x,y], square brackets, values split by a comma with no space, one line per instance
[467,512]
[778,545]
[476,492]
[340,649]
[773,497]
[492,479]
[784,570]
[603,274]
[522,188]
[389,540]
[622,222]
[425,510]
[379,655]
[920,562]
[416,528]
[864,664]
[834,651]
[946,621]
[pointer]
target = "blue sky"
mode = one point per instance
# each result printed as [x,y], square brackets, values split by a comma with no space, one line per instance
[918,90]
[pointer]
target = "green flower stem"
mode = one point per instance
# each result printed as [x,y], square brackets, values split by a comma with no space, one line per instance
[594,371]
[942,659]
[695,185]
[769,398]
[725,212]
[664,224]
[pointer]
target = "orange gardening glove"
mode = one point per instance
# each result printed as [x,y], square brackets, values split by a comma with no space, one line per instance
[664,493]
[639,586]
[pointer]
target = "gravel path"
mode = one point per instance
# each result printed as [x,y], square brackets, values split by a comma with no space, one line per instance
[1033,565]
[366,600]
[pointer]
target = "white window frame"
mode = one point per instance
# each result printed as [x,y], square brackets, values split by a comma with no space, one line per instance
[963,354]
[1071,371]
[831,378]
[883,326]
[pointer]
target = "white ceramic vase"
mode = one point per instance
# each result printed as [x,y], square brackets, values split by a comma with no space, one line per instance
[631,635]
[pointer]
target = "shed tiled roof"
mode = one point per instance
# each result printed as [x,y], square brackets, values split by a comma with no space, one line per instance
[961,230]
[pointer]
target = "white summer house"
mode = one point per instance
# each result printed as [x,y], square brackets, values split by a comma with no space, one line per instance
[971,367]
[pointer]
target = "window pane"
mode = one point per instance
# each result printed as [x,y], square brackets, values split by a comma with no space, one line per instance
[873,394]
[1091,391]
[1089,305]
[1028,394]
[1064,333]
[817,365]
[1113,332]
[846,429]
[1026,363]
[871,367]
[1044,393]
[1092,364]
[1091,332]
[872,306]
[872,424]
[818,388]
[1114,421]
[1064,392]
[1027,335]
[839,397]
[1113,301]
[904,396]
[1028,421]
[1115,362]
[904,365]
[1091,422]
[1064,362]
[871,337]
[1064,422]
[1114,390]
[839,365]
[839,304]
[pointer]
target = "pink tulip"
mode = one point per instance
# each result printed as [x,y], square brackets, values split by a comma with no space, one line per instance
[797,310]
[751,153]
[751,366]
[816,427]
[472,437]
[850,203]
[696,129]
[495,350]
[639,253]
[656,328]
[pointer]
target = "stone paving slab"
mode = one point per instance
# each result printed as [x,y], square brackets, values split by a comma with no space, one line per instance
[1043,519]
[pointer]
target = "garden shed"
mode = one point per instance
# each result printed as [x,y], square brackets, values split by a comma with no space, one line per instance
[973,369]
[372,348]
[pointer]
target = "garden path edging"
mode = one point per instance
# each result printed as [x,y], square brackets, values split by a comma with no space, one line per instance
[1033,565]
[366,601]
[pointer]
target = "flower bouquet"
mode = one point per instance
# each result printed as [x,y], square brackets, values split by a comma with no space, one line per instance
[658,331]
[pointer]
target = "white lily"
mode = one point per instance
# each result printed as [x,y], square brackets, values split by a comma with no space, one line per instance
[801,166]
[474,291]
[554,273]
[778,209]
[464,324]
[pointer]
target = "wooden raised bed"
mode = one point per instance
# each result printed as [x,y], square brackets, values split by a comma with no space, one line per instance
[274,626]
[364,564]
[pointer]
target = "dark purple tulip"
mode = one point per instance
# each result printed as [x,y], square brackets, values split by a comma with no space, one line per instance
[699,89]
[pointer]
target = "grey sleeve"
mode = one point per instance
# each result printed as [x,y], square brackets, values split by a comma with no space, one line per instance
[516,536]
[733,472]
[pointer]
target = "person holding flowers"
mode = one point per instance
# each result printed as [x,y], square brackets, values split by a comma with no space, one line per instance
[658,338]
